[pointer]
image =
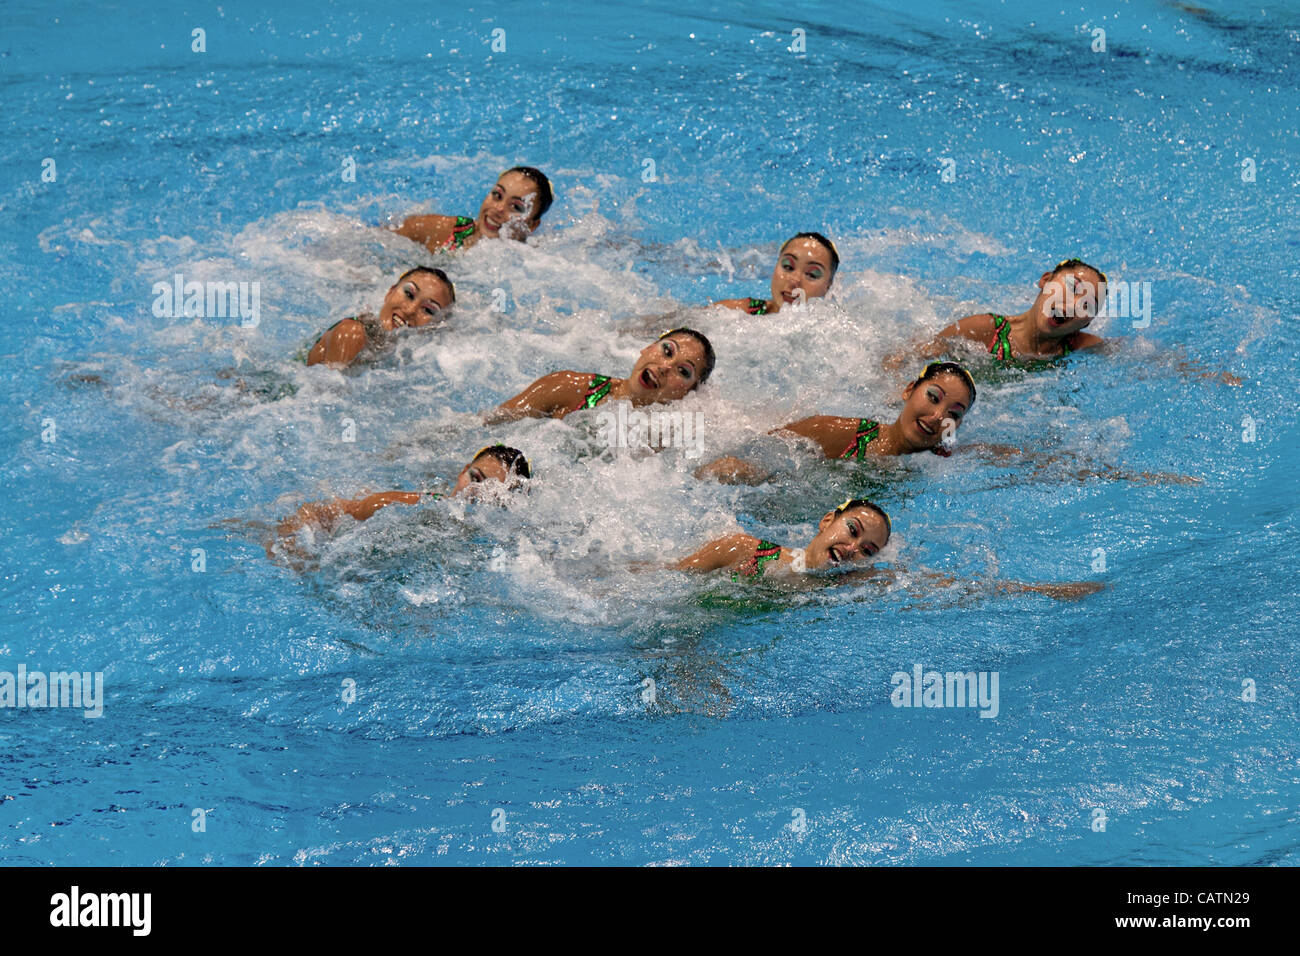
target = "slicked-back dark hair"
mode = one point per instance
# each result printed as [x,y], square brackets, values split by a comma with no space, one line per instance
[1071,263]
[512,460]
[935,369]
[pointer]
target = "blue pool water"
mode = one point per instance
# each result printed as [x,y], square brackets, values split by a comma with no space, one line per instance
[499,655]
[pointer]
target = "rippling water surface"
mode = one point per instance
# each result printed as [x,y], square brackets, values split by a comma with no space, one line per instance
[500,655]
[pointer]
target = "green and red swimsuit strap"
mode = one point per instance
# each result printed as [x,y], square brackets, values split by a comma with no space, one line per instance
[461,230]
[766,551]
[597,389]
[1000,347]
[868,431]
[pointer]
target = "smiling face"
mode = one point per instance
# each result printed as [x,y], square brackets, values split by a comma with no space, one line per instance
[414,301]
[666,370]
[846,537]
[1069,300]
[803,271]
[511,209]
[932,408]
[484,468]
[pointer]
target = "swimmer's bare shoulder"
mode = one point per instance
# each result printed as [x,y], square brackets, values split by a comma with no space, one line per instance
[979,328]
[339,344]
[552,396]
[723,552]
[833,433]
[741,305]
[430,231]
[975,328]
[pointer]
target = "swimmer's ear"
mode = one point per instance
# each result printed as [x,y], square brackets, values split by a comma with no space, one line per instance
[825,522]
[908,389]
[1045,278]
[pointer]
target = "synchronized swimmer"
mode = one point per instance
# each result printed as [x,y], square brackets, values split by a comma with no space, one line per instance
[934,404]
[805,269]
[512,210]
[847,538]
[419,297]
[676,363]
[1069,297]
[852,533]
[501,464]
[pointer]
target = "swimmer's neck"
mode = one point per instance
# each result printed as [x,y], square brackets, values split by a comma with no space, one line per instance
[791,560]
[890,442]
[478,233]
[621,391]
[1027,339]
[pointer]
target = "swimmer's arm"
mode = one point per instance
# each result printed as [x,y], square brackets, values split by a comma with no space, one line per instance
[741,305]
[1191,368]
[1083,470]
[1111,473]
[1060,590]
[872,572]
[288,542]
[730,470]
[831,433]
[552,395]
[723,553]
[998,454]
[1176,358]
[324,514]
[429,231]
[340,345]
[364,508]
[314,514]
[976,328]
[1074,466]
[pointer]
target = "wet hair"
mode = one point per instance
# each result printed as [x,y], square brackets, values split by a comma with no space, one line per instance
[870,506]
[545,196]
[935,369]
[817,237]
[512,459]
[1071,263]
[709,358]
[436,273]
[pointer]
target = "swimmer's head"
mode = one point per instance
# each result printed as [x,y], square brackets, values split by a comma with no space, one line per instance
[545,195]
[935,404]
[805,268]
[417,298]
[853,532]
[515,204]
[495,463]
[677,362]
[1071,295]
